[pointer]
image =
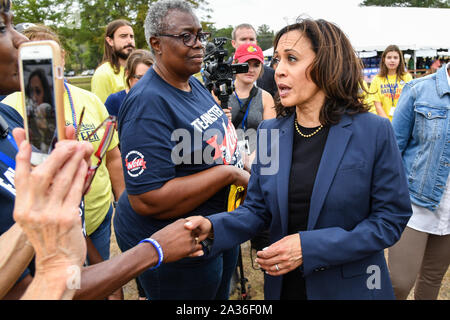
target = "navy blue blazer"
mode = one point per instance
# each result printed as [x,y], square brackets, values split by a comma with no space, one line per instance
[359,206]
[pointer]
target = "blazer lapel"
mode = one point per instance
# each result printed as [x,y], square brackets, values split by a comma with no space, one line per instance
[285,154]
[333,152]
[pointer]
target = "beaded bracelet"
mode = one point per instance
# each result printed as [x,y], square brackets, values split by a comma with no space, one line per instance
[158,249]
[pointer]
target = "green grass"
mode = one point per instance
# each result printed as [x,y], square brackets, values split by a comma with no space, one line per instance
[81,82]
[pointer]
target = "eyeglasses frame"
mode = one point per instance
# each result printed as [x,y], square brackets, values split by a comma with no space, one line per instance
[181,36]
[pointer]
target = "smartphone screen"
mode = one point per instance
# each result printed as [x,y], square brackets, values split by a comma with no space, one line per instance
[40,103]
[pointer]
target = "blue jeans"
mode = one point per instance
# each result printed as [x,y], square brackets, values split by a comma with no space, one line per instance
[188,279]
[101,238]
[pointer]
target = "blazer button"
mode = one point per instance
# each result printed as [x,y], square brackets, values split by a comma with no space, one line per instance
[320,269]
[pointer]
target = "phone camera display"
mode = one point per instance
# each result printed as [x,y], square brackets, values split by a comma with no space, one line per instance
[40,104]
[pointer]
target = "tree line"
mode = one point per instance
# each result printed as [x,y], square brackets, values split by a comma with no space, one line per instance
[81,23]
[408,3]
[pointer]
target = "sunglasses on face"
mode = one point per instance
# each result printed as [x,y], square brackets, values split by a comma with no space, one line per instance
[189,39]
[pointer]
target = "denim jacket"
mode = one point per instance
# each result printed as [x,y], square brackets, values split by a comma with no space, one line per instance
[421,125]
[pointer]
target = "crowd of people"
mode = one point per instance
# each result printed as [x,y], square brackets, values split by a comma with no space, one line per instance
[335,171]
[431,64]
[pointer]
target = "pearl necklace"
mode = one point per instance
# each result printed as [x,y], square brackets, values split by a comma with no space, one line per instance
[306,135]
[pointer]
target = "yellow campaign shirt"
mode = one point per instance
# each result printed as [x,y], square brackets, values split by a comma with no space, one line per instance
[105,82]
[383,89]
[98,199]
[199,77]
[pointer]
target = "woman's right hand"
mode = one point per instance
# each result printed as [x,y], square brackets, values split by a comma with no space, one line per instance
[200,227]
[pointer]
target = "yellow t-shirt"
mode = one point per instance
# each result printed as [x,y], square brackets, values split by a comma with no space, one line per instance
[105,82]
[387,91]
[199,77]
[98,199]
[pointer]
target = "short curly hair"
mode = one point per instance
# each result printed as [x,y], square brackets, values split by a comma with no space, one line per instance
[155,22]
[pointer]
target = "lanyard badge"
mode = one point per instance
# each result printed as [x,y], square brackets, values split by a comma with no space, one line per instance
[393,89]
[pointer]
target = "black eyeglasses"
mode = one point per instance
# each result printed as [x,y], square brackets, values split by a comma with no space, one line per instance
[190,39]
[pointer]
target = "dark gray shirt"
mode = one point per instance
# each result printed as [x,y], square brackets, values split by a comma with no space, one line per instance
[254,118]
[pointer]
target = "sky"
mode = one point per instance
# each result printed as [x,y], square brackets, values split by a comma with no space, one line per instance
[275,13]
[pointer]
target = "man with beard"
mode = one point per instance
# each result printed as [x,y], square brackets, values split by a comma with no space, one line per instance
[46,214]
[119,43]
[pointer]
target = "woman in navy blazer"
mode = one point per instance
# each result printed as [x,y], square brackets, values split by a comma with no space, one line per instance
[334,194]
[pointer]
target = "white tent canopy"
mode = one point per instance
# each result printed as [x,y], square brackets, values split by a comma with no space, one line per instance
[374,28]
[268,52]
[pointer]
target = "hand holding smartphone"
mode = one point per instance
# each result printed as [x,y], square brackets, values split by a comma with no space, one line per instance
[42,85]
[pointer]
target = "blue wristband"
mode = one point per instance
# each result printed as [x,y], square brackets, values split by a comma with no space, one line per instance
[158,249]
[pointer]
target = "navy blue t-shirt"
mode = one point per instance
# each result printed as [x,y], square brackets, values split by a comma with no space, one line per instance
[8,151]
[114,101]
[167,133]
[7,168]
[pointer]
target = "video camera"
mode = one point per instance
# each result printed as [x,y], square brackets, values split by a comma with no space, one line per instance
[219,74]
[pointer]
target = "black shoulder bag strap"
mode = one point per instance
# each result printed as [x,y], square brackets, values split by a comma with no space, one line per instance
[240,116]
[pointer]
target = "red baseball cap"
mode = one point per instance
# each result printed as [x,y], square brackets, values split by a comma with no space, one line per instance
[247,52]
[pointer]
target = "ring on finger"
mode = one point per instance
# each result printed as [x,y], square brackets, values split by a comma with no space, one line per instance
[196,240]
[276,267]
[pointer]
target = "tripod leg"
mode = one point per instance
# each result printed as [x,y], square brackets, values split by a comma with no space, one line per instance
[243,280]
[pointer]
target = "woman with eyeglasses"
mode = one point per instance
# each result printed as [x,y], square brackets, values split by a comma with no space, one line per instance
[137,65]
[46,200]
[179,153]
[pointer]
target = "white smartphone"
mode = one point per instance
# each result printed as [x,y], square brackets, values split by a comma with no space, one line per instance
[41,77]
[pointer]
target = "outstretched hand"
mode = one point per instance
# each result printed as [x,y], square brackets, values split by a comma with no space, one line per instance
[178,242]
[200,226]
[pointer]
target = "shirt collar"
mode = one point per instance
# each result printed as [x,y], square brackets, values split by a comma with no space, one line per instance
[448,75]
